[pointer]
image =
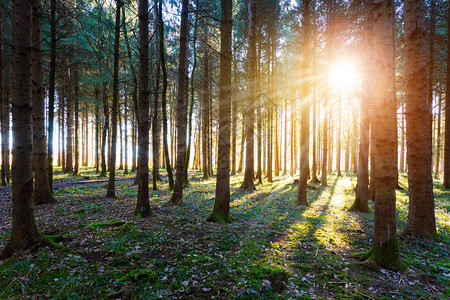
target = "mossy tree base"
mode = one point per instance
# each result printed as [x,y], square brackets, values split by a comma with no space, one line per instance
[14,247]
[385,255]
[359,207]
[220,217]
[44,199]
[176,200]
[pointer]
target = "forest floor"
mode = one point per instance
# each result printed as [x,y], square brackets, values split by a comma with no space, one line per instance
[273,249]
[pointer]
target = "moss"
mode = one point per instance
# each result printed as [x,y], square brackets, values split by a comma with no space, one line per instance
[140,274]
[386,255]
[219,217]
[105,224]
[276,274]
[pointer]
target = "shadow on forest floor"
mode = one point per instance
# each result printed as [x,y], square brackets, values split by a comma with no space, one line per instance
[273,248]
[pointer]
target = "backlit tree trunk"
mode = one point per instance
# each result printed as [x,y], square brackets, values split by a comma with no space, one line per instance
[385,252]
[162,57]
[42,192]
[51,93]
[421,219]
[24,230]
[142,204]
[362,183]
[111,189]
[305,109]
[177,196]
[446,181]
[221,210]
[249,126]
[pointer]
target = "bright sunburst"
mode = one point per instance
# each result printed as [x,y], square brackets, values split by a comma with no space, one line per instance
[343,75]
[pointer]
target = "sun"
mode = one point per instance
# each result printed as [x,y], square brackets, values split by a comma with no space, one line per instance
[343,75]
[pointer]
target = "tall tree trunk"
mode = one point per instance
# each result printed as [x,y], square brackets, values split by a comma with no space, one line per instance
[446,181]
[142,204]
[24,232]
[249,142]
[221,210]
[385,252]
[61,104]
[438,137]
[105,127]
[51,93]
[234,118]
[4,112]
[421,219]
[338,146]
[42,192]
[305,107]
[205,115]
[243,136]
[111,189]
[97,129]
[177,196]
[76,125]
[155,124]
[191,103]
[362,183]
[125,125]
[69,121]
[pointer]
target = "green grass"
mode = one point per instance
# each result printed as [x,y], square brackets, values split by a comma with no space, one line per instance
[273,249]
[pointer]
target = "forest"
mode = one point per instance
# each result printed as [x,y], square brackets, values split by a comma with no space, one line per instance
[226,149]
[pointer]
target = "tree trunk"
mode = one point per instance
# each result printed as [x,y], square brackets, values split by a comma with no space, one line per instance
[111,189]
[69,121]
[305,109]
[125,125]
[191,103]
[249,142]
[421,219]
[24,232]
[155,124]
[105,127]
[362,183]
[338,146]
[243,136]
[42,192]
[76,125]
[438,137]
[142,204]
[97,129]
[51,93]
[385,252]
[234,119]
[177,196]
[221,210]
[446,181]
[205,115]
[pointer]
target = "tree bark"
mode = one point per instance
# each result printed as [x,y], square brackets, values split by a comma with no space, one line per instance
[305,109]
[446,181]
[24,232]
[42,192]
[111,189]
[162,57]
[177,196]
[221,210]
[385,252]
[51,93]
[362,183]
[421,219]
[205,115]
[69,122]
[249,142]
